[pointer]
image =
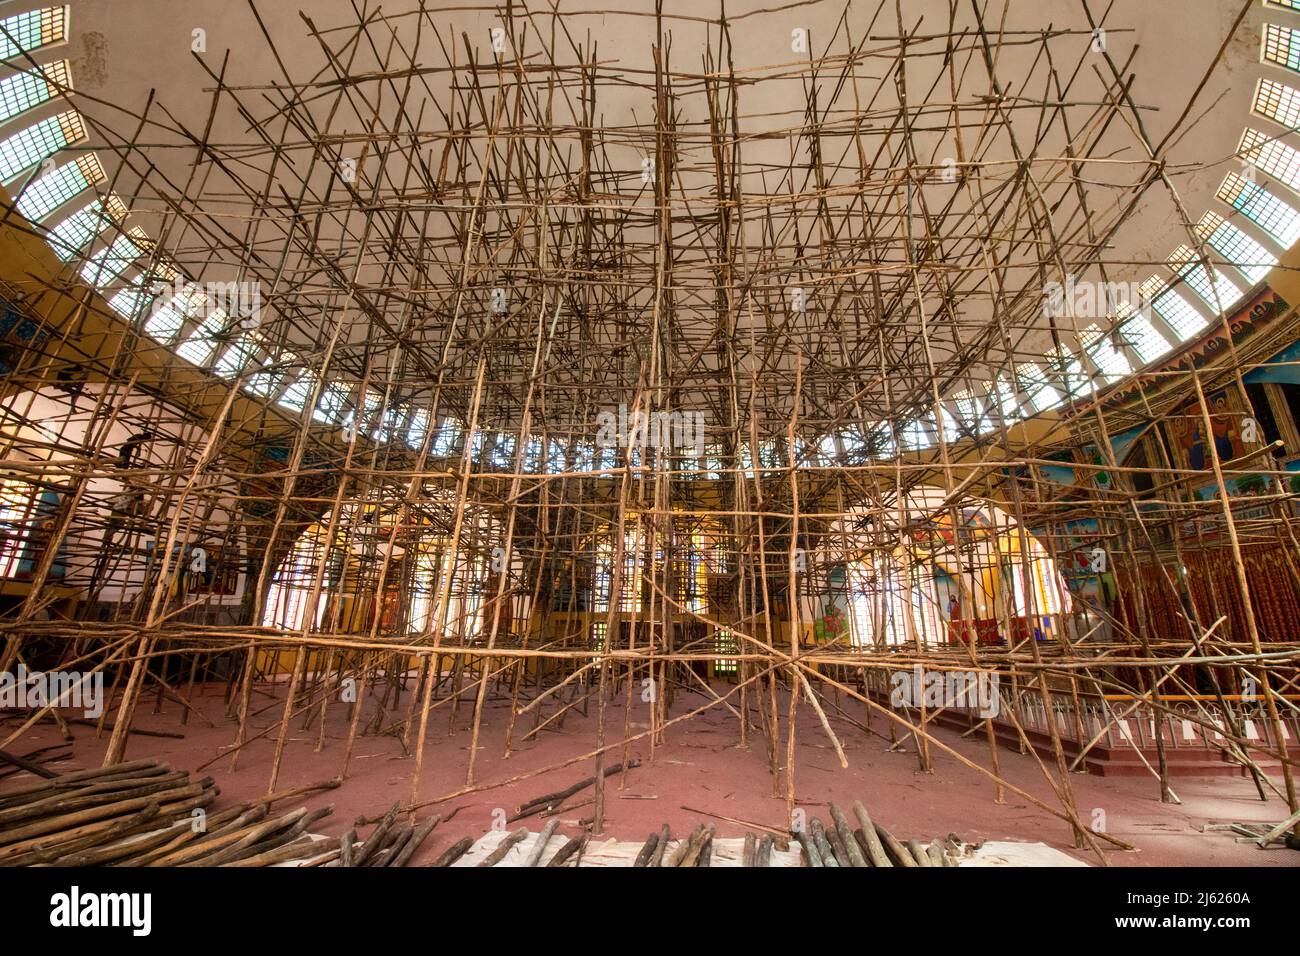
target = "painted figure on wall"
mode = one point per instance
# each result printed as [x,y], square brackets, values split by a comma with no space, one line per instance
[1222,429]
[833,621]
[831,624]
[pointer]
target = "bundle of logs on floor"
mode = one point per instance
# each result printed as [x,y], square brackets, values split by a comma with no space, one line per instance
[841,844]
[868,844]
[143,813]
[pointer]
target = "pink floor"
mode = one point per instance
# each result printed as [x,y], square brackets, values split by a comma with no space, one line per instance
[702,767]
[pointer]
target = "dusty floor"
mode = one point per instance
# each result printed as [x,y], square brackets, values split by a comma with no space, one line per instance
[701,767]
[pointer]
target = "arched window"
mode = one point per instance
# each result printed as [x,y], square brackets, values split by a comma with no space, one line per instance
[895,589]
